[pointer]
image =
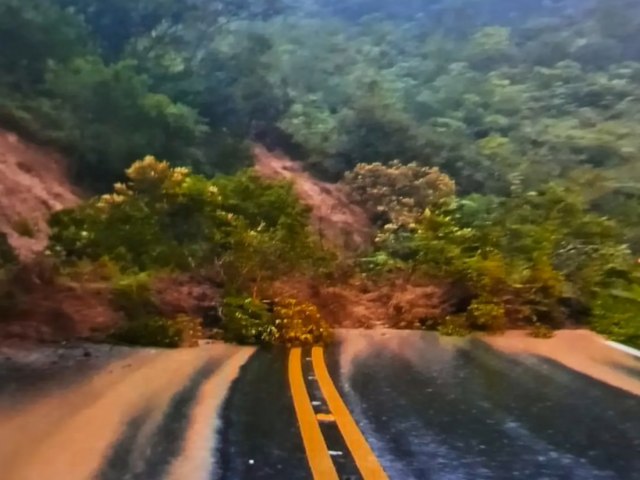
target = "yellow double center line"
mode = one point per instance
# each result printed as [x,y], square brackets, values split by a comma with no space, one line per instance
[322,466]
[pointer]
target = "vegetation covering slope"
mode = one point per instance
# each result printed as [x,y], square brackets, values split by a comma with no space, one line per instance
[494,144]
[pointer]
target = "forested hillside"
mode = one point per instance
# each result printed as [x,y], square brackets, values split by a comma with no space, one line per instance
[495,146]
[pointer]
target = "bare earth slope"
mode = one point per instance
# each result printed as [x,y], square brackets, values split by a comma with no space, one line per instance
[33,183]
[340,223]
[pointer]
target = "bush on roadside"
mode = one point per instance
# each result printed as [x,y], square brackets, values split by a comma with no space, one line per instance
[287,322]
[299,323]
[132,296]
[454,326]
[616,314]
[247,321]
[537,258]
[538,330]
[487,315]
[182,331]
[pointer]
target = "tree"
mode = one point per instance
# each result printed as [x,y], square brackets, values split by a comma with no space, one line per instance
[34,33]
[108,116]
[397,194]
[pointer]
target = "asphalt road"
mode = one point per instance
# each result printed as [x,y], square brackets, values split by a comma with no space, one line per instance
[375,405]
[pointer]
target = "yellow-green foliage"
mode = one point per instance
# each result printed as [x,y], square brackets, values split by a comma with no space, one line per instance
[132,295]
[520,259]
[182,331]
[247,321]
[489,46]
[299,323]
[454,326]
[165,217]
[615,313]
[283,322]
[487,314]
[397,194]
[270,235]
[89,271]
[539,330]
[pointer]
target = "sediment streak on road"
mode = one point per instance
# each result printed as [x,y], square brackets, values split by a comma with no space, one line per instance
[318,455]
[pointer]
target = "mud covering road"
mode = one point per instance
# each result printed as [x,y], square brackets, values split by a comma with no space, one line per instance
[107,414]
[429,407]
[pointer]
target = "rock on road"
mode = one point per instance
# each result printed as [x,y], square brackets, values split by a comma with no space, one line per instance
[416,406]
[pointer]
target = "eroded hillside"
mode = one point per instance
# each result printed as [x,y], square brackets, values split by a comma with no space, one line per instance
[33,183]
[338,221]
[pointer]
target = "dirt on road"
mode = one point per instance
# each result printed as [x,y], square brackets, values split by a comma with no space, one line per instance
[105,424]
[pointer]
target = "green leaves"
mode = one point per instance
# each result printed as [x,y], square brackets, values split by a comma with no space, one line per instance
[397,194]
[41,32]
[104,102]
[285,322]
[520,258]
[615,313]
[164,217]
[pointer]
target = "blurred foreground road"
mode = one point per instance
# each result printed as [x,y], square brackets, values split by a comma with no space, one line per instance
[377,404]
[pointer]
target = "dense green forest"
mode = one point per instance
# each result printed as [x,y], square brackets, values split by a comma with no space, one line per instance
[495,145]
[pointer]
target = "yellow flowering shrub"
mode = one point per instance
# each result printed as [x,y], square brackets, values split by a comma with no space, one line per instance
[397,194]
[299,323]
[283,322]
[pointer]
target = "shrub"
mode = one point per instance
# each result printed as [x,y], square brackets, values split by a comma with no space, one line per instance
[615,314]
[166,217]
[86,271]
[182,331]
[486,314]
[539,330]
[247,321]
[8,296]
[397,194]
[454,326]
[527,259]
[299,323]
[162,217]
[289,322]
[132,295]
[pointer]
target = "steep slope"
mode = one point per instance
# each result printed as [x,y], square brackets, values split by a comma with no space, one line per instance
[33,183]
[340,224]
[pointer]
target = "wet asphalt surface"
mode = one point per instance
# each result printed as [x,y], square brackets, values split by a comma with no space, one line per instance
[482,414]
[461,411]
[465,413]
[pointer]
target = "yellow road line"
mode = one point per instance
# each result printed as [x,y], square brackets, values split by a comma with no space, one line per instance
[325,417]
[365,459]
[318,456]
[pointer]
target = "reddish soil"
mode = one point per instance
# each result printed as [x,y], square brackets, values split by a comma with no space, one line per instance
[50,313]
[396,303]
[33,183]
[190,295]
[340,224]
